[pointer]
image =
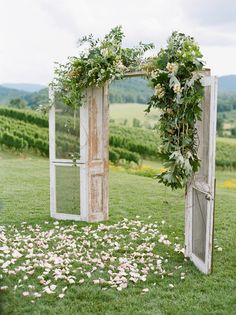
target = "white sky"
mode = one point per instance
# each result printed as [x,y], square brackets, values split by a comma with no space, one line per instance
[36,33]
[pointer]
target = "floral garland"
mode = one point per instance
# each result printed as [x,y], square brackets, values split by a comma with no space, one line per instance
[175,76]
[100,61]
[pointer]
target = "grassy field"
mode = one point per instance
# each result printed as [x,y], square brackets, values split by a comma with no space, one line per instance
[229,119]
[24,131]
[226,140]
[24,196]
[121,112]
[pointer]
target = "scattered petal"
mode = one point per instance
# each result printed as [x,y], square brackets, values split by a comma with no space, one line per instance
[145,290]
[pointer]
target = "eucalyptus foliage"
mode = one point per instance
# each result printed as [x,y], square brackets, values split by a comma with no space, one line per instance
[99,61]
[175,74]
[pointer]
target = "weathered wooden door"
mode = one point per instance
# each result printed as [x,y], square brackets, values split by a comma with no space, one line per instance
[65,162]
[79,158]
[94,137]
[199,212]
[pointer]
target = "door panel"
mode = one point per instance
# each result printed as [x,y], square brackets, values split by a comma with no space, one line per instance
[200,196]
[65,172]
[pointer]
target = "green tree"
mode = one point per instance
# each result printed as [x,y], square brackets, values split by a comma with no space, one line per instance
[136,123]
[18,103]
[233,132]
[220,126]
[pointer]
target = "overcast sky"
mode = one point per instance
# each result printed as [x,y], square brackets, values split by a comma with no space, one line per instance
[35,33]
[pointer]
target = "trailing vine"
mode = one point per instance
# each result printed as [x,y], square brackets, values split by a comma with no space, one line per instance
[174,73]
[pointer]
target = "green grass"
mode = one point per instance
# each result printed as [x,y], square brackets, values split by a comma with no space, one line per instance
[229,118]
[122,112]
[23,131]
[24,195]
[226,140]
[67,189]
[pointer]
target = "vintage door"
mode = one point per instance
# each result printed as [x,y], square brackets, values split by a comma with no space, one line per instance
[78,147]
[65,162]
[200,198]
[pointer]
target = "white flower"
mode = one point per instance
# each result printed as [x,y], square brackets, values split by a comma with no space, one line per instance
[53,287]
[177,88]
[4,287]
[145,290]
[105,52]
[120,66]
[171,286]
[172,67]
[48,290]
[61,296]
[25,293]
[159,91]
[5,249]
[71,281]
[154,73]
[6,264]
[96,281]
[124,285]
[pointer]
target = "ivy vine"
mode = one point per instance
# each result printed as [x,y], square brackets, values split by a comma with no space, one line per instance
[175,75]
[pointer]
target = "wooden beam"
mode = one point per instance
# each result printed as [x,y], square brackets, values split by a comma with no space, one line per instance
[141,73]
[135,74]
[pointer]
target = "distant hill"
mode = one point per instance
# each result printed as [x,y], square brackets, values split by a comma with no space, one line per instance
[37,98]
[7,94]
[129,90]
[27,87]
[227,83]
[32,99]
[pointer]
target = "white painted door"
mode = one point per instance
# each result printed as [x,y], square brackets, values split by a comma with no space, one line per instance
[66,166]
[200,198]
[79,186]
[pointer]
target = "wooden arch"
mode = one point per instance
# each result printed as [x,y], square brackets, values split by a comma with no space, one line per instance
[93,168]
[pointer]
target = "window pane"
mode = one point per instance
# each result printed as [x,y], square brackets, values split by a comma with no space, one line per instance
[67,131]
[68,189]
[199,217]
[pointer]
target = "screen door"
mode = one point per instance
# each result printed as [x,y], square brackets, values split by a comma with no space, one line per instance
[201,189]
[65,162]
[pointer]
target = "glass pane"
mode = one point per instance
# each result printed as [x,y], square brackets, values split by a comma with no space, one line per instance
[128,99]
[68,189]
[203,137]
[67,131]
[199,217]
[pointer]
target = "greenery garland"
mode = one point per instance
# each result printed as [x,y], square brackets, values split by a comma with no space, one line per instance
[99,61]
[174,73]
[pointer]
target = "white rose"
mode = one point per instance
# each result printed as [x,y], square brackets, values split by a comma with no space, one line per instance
[172,67]
[159,91]
[177,88]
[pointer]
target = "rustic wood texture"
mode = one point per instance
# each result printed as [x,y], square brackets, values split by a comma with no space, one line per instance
[97,162]
[202,184]
[52,152]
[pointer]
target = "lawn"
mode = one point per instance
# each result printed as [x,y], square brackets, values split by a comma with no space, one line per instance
[126,112]
[24,197]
